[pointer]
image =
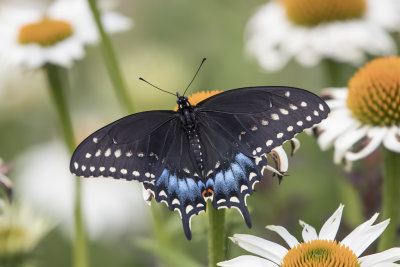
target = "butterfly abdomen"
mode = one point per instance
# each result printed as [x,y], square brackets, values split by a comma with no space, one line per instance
[188,120]
[197,149]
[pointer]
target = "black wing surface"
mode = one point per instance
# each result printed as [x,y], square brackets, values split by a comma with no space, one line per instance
[153,148]
[128,148]
[258,119]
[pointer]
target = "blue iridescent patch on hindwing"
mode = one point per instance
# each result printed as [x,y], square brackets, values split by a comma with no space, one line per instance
[179,193]
[234,182]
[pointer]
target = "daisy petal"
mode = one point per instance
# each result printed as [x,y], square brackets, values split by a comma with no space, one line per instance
[331,226]
[392,139]
[247,261]
[386,264]
[350,238]
[375,136]
[364,238]
[339,93]
[385,257]
[264,248]
[290,240]
[346,141]
[309,232]
[338,123]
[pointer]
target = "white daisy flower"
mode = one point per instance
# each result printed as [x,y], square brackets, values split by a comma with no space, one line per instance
[364,115]
[21,229]
[107,204]
[32,37]
[317,249]
[308,31]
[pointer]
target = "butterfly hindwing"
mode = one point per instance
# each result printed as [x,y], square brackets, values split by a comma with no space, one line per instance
[179,185]
[230,174]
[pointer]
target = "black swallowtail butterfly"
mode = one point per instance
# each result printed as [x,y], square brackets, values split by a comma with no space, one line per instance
[213,150]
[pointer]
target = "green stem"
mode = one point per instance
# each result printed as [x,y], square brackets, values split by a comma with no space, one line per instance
[216,235]
[391,198]
[57,90]
[115,73]
[333,73]
[111,59]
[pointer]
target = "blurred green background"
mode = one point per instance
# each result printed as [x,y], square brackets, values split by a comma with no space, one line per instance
[165,46]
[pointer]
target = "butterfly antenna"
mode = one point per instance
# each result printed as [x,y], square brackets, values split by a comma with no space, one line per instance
[156,86]
[204,59]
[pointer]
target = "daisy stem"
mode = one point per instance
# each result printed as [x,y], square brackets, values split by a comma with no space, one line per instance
[216,235]
[391,198]
[333,73]
[118,81]
[111,60]
[57,89]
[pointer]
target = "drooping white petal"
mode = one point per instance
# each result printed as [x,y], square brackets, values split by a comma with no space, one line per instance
[385,257]
[392,139]
[295,143]
[376,135]
[264,248]
[147,195]
[247,261]
[331,226]
[365,237]
[271,169]
[344,142]
[290,240]
[280,157]
[308,232]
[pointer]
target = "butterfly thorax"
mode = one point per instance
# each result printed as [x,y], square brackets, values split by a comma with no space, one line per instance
[187,116]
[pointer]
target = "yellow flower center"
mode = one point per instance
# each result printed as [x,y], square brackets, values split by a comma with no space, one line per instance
[200,96]
[320,253]
[313,12]
[374,92]
[46,32]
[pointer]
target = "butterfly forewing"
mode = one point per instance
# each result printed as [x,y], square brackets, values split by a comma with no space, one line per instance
[284,112]
[129,148]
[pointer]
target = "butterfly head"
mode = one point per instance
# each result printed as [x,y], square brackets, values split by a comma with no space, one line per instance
[182,102]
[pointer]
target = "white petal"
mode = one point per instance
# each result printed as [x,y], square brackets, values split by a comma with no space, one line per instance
[247,261]
[339,93]
[392,139]
[338,122]
[350,238]
[376,136]
[280,157]
[295,144]
[309,232]
[331,226]
[264,248]
[385,264]
[390,255]
[347,140]
[365,237]
[147,195]
[290,240]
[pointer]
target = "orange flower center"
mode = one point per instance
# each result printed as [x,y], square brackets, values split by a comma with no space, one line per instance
[374,92]
[320,253]
[313,12]
[46,32]
[200,96]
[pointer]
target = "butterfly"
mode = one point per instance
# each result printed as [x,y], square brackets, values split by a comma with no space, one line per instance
[213,150]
